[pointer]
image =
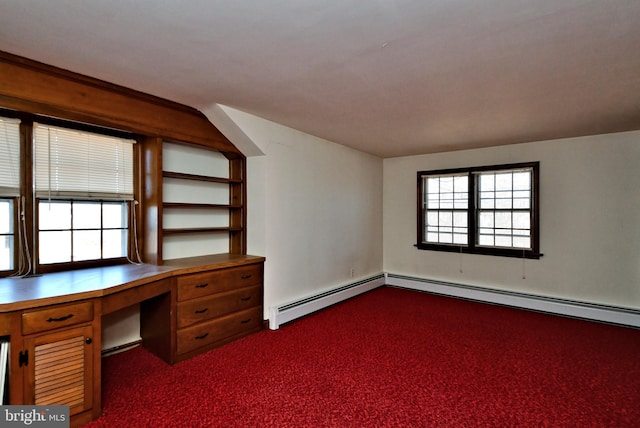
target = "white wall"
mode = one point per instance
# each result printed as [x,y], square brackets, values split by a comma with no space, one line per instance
[314,210]
[590,221]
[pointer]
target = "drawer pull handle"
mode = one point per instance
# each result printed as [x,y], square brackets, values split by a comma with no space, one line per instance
[201,311]
[245,321]
[64,318]
[202,336]
[206,284]
[246,276]
[245,299]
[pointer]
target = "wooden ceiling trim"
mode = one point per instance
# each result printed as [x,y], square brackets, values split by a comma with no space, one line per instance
[34,87]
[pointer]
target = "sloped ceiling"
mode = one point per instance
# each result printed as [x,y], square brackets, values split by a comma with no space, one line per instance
[388,77]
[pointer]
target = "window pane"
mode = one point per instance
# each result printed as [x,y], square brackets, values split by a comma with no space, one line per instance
[114,215]
[55,247]
[504,181]
[445,218]
[460,238]
[445,238]
[486,237]
[503,200]
[86,245]
[519,242]
[503,241]
[521,200]
[487,182]
[86,215]
[487,200]
[6,216]
[6,252]
[503,220]
[522,180]
[460,219]
[432,218]
[461,184]
[521,220]
[486,219]
[114,243]
[54,215]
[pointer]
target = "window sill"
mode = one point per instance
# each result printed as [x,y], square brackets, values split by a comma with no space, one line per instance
[500,252]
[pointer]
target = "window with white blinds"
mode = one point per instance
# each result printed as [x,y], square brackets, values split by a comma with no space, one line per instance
[79,164]
[9,157]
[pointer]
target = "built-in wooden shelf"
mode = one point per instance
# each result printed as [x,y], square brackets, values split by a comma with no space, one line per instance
[200,201]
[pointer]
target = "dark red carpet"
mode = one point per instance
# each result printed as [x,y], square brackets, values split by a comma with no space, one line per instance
[391,358]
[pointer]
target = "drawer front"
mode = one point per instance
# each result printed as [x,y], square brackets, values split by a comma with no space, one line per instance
[56,317]
[204,308]
[216,281]
[209,332]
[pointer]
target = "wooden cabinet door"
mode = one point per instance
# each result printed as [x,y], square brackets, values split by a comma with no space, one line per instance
[59,369]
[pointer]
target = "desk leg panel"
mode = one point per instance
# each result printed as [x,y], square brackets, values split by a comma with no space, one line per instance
[156,326]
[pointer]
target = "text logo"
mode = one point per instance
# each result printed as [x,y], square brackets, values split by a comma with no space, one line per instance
[34,416]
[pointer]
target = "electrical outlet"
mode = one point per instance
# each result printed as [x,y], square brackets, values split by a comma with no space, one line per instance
[352,271]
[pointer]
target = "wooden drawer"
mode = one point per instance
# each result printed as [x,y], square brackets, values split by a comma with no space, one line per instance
[199,335]
[216,305]
[56,317]
[215,281]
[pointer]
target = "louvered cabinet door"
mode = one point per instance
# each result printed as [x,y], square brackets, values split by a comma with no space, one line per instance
[60,369]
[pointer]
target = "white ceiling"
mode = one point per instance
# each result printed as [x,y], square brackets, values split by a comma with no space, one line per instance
[388,77]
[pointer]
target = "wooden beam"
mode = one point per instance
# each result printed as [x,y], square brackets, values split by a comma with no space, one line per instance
[34,87]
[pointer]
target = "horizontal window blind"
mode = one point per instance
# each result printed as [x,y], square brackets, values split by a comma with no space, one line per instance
[78,164]
[9,157]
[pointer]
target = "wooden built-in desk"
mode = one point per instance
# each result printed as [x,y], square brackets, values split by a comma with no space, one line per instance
[187,307]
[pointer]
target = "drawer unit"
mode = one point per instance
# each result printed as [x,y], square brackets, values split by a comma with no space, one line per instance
[205,310]
[215,281]
[56,317]
[218,329]
[216,305]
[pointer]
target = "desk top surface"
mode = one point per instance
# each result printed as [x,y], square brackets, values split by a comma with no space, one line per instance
[19,293]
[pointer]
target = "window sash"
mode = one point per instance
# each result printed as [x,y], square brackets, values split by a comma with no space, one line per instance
[445,205]
[503,208]
[71,231]
[9,157]
[79,164]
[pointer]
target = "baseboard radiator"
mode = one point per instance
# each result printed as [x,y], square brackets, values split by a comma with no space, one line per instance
[594,312]
[290,311]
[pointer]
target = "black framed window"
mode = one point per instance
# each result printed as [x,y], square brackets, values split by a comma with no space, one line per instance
[484,210]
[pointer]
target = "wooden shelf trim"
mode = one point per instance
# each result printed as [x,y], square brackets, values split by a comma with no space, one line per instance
[199,205]
[200,230]
[195,177]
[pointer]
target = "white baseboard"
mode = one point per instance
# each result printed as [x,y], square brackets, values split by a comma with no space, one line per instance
[284,313]
[594,312]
